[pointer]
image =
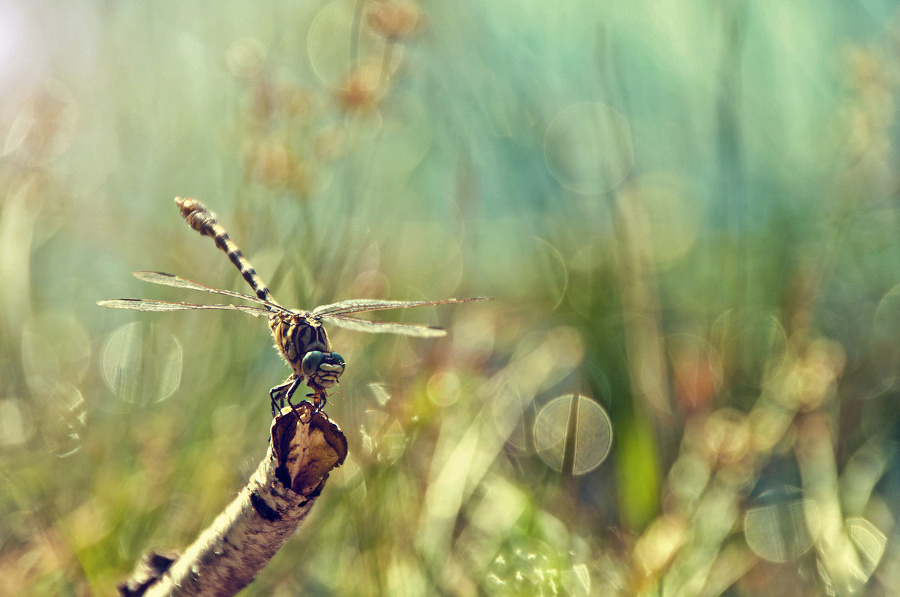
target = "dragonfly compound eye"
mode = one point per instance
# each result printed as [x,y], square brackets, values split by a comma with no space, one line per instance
[311,362]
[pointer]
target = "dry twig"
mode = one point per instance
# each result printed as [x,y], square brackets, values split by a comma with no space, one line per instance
[229,554]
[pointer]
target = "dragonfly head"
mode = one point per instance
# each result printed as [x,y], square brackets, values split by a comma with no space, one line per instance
[322,368]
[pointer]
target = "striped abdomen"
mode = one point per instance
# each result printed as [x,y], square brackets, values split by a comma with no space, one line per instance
[204,221]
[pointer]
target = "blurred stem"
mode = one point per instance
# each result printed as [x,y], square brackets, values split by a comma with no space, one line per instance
[818,472]
[640,301]
[19,211]
[20,207]
[384,75]
[734,259]
[637,471]
[356,25]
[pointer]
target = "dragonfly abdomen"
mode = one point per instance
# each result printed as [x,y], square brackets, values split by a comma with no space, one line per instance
[204,221]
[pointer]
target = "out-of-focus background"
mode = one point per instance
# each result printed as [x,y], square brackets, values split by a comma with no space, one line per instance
[686,211]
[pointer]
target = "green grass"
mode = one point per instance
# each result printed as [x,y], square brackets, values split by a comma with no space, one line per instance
[685,212]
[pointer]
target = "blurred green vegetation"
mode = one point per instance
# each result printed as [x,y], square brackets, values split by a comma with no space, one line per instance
[687,212]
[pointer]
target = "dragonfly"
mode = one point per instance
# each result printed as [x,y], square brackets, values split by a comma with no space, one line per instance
[299,335]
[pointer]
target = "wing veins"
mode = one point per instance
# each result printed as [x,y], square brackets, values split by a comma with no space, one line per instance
[150,305]
[357,324]
[364,305]
[164,279]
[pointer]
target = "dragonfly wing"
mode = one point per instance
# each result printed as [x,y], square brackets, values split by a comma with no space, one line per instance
[384,327]
[362,305]
[147,305]
[165,279]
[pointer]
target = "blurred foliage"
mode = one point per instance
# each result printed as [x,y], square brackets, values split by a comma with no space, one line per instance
[688,383]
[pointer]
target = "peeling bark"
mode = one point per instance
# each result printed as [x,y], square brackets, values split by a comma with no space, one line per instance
[229,554]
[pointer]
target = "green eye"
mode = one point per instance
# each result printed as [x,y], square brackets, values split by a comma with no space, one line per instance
[338,359]
[311,362]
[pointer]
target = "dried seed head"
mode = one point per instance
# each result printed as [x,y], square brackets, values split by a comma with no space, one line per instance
[361,88]
[272,163]
[394,19]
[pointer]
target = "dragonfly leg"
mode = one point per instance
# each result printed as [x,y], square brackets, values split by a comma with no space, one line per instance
[290,392]
[279,393]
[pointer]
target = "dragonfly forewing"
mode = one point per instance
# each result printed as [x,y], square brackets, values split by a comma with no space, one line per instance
[174,281]
[149,305]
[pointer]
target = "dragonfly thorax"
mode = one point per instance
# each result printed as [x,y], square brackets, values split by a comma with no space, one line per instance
[297,334]
[303,343]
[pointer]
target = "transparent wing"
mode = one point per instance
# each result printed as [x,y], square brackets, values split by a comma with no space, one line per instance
[362,305]
[147,305]
[384,327]
[165,279]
